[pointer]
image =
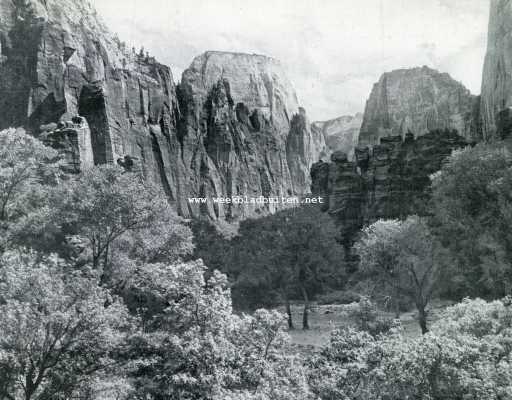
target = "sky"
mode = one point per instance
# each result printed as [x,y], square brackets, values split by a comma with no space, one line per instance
[333,50]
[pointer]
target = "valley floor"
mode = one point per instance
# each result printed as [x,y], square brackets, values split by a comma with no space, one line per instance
[326,318]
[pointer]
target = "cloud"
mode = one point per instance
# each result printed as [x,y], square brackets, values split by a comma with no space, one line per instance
[333,50]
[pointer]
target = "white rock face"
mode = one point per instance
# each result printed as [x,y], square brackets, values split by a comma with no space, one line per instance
[253,137]
[418,100]
[497,76]
[255,80]
[340,134]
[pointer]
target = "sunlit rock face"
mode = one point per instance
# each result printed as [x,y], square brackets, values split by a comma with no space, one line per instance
[340,134]
[242,133]
[234,127]
[418,100]
[497,75]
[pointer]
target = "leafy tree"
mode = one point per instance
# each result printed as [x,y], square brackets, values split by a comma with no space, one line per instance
[27,170]
[104,205]
[58,328]
[197,348]
[293,253]
[402,254]
[471,219]
[273,259]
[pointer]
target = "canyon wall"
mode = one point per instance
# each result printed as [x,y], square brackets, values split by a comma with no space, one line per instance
[243,133]
[418,100]
[389,180]
[233,126]
[497,75]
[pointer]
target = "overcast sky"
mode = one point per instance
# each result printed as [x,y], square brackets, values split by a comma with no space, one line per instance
[333,50]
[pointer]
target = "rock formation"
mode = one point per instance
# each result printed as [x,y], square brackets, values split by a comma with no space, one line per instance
[243,133]
[497,75]
[60,61]
[418,100]
[73,140]
[340,134]
[232,127]
[388,180]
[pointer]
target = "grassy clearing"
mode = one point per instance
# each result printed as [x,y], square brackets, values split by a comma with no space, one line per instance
[326,318]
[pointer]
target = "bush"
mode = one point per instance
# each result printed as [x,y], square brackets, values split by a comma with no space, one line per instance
[467,355]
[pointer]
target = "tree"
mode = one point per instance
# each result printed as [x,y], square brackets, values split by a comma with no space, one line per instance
[197,348]
[58,328]
[293,252]
[402,254]
[27,169]
[104,205]
[466,355]
[471,220]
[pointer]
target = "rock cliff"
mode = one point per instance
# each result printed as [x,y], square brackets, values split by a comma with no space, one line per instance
[232,127]
[340,134]
[242,132]
[497,75]
[60,61]
[418,100]
[388,180]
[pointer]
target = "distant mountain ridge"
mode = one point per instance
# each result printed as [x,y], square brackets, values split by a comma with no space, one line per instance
[340,134]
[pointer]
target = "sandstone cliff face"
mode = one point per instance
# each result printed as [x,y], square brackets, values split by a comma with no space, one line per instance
[60,61]
[418,100]
[243,133]
[388,180]
[233,127]
[497,75]
[340,134]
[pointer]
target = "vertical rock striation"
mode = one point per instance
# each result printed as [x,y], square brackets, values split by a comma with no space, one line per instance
[234,126]
[60,61]
[243,133]
[418,100]
[497,75]
[389,180]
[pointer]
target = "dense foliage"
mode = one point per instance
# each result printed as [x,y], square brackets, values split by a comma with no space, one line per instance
[472,219]
[101,297]
[292,254]
[467,355]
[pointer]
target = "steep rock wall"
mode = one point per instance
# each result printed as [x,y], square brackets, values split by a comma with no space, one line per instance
[389,180]
[418,100]
[233,127]
[243,133]
[497,74]
[60,61]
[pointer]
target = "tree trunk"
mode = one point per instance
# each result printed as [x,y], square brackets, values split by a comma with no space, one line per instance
[289,313]
[422,318]
[305,321]
[397,306]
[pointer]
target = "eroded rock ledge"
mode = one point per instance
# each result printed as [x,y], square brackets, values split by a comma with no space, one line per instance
[390,180]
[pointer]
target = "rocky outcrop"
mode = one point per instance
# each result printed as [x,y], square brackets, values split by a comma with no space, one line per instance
[243,133]
[73,141]
[388,180]
[340,134]
[497,74]
[233,127]
[418,100]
